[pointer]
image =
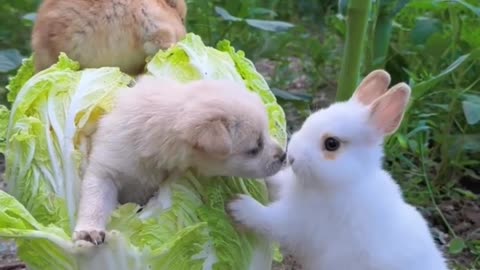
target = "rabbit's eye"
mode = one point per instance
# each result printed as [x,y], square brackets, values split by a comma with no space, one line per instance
[331,144]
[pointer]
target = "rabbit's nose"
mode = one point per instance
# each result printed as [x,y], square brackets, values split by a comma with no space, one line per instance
[283,157]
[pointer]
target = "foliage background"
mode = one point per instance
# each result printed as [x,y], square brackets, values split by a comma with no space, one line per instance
[298,46]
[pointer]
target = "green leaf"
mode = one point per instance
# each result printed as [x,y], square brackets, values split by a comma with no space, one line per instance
[423,4]
[9,60]
[456,246]
[436,45]
[467,193]
[470,7]
[421,88]
[402,140]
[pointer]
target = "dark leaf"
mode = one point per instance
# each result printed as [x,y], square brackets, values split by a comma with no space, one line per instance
[273,26]
[424,28]
[468,143]
[400,5]
[30,16]
[342,7]
[9,60]
[267,25]
[226,15]
[287,96]
[263,11]
[471,108]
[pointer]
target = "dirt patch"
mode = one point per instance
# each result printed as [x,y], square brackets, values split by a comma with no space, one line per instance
[288,263]
[463,216]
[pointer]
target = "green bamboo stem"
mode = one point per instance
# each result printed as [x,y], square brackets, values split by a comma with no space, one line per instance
[383,32]
[357,21]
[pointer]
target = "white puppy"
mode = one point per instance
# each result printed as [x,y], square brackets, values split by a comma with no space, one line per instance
[337,208]
[161,128]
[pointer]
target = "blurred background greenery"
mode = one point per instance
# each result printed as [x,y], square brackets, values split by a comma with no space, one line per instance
[299,46]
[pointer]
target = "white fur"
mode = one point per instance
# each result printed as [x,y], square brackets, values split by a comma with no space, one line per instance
[344,212]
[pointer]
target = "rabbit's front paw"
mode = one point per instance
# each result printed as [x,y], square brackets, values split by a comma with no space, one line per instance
[243,209]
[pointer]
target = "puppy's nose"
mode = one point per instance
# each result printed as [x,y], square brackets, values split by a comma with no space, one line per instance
[280,155]
[291,160]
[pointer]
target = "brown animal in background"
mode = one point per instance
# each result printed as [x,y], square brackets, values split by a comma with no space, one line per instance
[99,33]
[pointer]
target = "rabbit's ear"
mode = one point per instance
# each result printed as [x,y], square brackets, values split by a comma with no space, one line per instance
[386,113]
[372,87]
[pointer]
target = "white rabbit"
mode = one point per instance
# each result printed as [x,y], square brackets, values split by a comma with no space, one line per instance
[337,209]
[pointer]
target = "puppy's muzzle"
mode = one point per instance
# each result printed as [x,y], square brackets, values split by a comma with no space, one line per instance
[281,156]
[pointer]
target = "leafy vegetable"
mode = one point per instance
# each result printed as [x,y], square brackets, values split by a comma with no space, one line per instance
[53,114]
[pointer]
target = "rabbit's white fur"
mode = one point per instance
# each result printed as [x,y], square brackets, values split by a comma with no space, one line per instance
[341,210]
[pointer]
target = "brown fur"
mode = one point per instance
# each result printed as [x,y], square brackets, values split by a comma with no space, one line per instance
[97,33]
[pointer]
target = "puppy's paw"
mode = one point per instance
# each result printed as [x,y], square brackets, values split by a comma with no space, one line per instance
[242,210]
[96,237]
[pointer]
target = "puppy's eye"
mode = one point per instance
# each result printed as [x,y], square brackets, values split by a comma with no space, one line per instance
[331,144]
[254,151]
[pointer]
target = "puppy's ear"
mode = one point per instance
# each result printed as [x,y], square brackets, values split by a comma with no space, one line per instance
[212,137]
[372,87]
[386,113]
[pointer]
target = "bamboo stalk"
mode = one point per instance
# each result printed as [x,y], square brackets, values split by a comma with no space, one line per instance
[383,32]
[357,19]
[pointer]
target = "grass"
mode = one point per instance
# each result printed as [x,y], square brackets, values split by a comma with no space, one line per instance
[432,45]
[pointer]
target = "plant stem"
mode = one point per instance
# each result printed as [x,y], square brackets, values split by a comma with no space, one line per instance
[383,32]
[430,189]
[357,19]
